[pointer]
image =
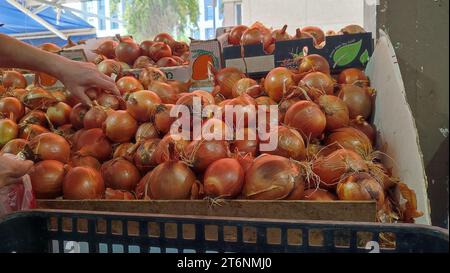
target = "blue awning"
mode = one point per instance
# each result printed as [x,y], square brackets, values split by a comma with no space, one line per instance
[18,24]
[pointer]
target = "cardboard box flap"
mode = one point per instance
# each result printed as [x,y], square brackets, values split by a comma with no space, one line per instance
[341,51]
[394,121]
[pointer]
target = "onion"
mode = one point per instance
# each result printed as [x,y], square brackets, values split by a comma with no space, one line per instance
[38,98]
[333,167]
[358,100]
[50,146]
[278,82]
[99,58]
[127,51]
[18,93]
[307,118]
[47,178]
[164,38]
[60,95]
[167,62]
[365,127]
[170,147]
[248,143]
[108,67]
[265,100]
[143,62]
[124,150]
[77,115]
[180,48]
[162,119]
[34,117]
[120,126]
[317,84]
[8,131]
[351,139]
[166,93]
[111,194]
[216,129]
[335,110]
[235,35]
[226,78]
[224,178]
[145,47]
[319,195]
[71,100]
[284,105]
[120,174]
[205,95]
[299,34]
[95,117]
[142,104]
[12,108]
[129,84]
[281,34]
[313,63]
[50,47]
[150,74]
[361,186]
[183,87]
[159,50]
[93,142]
[146,131]
[59,114]
[290,143]
[30,131]
[144,157]
[248,86]
[202,153]
[65,131]
[316,32]
[245,160]
[257,34]
[83,183]
[172,180]
[107,48]
[271,177]
[13,80]
[353,75]
[85,161]
[14,146]
[109,101]
[352,29]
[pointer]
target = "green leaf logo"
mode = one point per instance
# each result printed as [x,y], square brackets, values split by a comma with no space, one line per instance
[364,57]
[346,54]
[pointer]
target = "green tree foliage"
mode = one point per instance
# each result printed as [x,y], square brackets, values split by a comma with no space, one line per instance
[146,18]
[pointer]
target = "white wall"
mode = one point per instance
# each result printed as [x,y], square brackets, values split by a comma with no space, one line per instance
[327,14]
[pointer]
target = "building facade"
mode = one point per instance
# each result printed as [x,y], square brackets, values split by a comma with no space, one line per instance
[102,8]
[211,18]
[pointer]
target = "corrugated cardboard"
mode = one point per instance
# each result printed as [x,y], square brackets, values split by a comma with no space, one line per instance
[180,73]
[202,51]
[393,118]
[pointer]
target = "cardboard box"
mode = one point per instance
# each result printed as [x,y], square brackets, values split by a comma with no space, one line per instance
[180,73]
[398,138]
[394,121]
[205,57]
[341,51]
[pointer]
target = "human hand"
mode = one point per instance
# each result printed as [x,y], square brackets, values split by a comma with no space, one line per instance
[78,77]
[12,169]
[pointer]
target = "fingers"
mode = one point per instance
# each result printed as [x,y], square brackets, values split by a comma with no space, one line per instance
[10,180]
[82,96]
[21,168]
[107,84]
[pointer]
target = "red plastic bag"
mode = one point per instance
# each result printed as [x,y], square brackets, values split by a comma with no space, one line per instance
[17,197]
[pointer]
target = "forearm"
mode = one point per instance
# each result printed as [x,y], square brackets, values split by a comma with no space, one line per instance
[16,54]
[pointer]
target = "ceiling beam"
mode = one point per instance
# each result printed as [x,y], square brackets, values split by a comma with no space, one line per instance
[37,19]
[56,5]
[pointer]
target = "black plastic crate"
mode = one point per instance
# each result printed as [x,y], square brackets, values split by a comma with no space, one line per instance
[76,231]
